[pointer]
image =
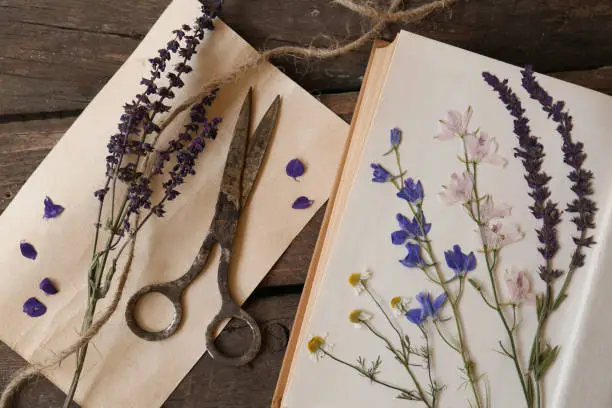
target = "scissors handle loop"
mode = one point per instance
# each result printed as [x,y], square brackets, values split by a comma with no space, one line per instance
[232,310]
[173,293]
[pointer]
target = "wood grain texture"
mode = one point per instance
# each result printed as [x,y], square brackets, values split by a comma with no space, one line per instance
[57,54]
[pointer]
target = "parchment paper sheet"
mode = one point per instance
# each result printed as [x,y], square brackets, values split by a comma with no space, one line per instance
[122,370]
[427,78]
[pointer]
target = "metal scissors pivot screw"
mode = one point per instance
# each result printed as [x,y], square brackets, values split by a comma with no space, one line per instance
[241,169]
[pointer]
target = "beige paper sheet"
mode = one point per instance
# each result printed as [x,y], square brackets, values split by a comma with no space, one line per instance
[121,369]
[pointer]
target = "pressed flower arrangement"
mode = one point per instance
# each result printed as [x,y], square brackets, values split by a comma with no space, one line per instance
[507,290]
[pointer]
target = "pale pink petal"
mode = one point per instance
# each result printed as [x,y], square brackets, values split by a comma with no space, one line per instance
[489,210]
[458,190]
[499,235]
[518,285]
[455,125]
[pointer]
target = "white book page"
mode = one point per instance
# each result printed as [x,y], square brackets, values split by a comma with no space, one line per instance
[426,80]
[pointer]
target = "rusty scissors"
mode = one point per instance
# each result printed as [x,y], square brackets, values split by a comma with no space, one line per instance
[243,163]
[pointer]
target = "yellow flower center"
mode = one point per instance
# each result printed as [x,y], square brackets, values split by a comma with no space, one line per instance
[355,316]
[354,279]
[395,301]
[315,343]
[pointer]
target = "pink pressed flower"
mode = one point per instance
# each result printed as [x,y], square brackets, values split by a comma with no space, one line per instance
[498,235]
[455,125]
[458,190]
[489,210]
[519,287]
[483,149]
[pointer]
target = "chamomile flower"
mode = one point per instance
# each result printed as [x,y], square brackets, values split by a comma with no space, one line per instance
[399,305]
[358,280]
[358,317]
[316,346]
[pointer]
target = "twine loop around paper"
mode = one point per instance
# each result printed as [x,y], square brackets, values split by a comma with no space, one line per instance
[380,18]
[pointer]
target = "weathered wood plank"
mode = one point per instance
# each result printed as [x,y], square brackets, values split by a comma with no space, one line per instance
[208,383]
[55,55]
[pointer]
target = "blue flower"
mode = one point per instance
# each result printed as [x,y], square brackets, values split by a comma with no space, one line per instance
[381,175]
[412,192]
[409,229]
[460,262]
[429,308]
[396,137]
[413,259]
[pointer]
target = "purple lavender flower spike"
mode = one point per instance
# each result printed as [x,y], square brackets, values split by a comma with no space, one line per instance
[573,156]
[34,308]
[52,210]
[459,262]
[380,174]
[301,203]
[28,250]
[48,287]
[531,153]
[295,168]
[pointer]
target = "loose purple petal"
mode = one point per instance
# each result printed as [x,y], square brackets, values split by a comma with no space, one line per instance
[33,308]
[52,210]
[48,287]
[28,250]
[302,203]
[295,168]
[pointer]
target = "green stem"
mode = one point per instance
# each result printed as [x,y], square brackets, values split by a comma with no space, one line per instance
[432,383]
[372,378]
[402,360]
[468,365]
[443,337]
[491,267]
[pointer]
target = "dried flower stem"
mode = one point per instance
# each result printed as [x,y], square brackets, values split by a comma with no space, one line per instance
[403,356]
[461,348]
[360,371]
[491,255]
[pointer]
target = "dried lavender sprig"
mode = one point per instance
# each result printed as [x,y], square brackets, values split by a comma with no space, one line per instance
[138,115]
[582,179]
[531,153]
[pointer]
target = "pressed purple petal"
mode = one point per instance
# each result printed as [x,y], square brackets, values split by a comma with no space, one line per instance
[52,210]
[34,308]
[295,168]
[415,316]
[302,203]
[48,287]
[28,250]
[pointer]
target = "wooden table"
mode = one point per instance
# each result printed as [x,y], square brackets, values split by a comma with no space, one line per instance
[55,55]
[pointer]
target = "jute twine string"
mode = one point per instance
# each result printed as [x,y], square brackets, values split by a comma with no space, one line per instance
[380,18]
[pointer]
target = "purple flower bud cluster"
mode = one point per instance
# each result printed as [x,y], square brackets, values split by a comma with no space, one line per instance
[573,155]
[531,153]
[138,119]
[138,130]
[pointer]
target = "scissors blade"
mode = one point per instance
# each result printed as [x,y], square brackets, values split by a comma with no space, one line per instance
[232,175]
[257,148]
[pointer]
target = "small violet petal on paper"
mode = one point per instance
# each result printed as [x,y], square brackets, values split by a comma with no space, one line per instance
[52,210]
[302,203]
[295,168]
[28,250]
[34,308]
[48,287]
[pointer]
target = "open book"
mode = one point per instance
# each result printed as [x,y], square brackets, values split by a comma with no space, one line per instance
[443,282]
